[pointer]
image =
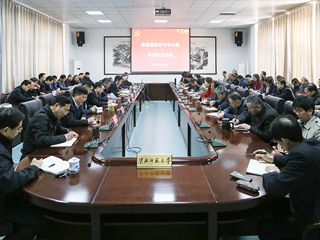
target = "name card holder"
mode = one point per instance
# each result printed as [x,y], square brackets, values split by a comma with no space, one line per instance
[154,161]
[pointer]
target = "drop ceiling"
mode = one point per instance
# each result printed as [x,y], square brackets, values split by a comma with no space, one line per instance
[140,13]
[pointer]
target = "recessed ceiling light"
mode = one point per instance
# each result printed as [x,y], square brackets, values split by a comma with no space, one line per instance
[216,21]
[104,21]
[160,21]
[94,12]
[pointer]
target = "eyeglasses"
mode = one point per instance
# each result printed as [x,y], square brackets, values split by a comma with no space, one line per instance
[298,110]
[19,129]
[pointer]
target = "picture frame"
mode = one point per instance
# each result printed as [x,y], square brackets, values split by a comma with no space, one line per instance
[203,55]
[117,55]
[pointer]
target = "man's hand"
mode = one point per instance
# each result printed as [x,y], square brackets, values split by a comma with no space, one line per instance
[212,103]
[204,101]
[263,157]
[36,162]
[245,126]
[91,120]
[272,169]
[235,121]
[71,135]
[220,114]
[42,93]
[93,109]
[83,118]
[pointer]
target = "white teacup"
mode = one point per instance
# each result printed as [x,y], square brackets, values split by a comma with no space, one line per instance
[74,165]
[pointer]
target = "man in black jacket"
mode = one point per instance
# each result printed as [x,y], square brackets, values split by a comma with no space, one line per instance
[24,217]
[34,89]
[45,128]
[238,108]
[113,88]
[284,91]
[106,83]
[94,96]
[76,115]
[19,94]
[125,83]
[259,119]
[223,101]
[62,83]
[88,109]
[300,178]
[45,85]
[312,91]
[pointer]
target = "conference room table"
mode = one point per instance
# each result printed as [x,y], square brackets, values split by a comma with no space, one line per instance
[196,189]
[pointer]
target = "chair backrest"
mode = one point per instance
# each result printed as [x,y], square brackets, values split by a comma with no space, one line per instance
[243,92]
[312,231]
[251,93]
[68,93]
[5,229]
[288,109]
[29,109]
[233,87]
[47,98]
[317,113]
[275,102]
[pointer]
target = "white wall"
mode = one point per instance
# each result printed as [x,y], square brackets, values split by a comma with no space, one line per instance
[91,53]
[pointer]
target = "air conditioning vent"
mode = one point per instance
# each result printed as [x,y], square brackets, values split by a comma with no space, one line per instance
[228,13]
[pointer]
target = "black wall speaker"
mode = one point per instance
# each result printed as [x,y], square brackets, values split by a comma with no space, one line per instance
[80,39]
[238,38]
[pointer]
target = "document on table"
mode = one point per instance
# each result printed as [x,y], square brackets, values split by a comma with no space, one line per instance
[213,114]
[210,109]
[257,167]
[99,109]
[113,97]
[54,165]
[65,144]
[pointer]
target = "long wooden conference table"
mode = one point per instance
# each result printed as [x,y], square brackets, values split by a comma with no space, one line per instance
[195,192]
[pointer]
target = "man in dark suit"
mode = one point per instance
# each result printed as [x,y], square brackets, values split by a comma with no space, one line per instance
[45,85]
[94,97]
[284,91]
[312,91]
[86,76]
[106,83]
[300,178]
[237,109]
[223,101]
[125,83]
[45,128]
[113,88]
[19,94]
[24,217]
[259,119]
[34,89]
[76,115]
[62,83]
[88,109]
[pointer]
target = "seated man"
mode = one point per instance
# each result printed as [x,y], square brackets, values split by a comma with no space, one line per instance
[19,94]
[106,83]
[62,83]
[24,217]
[238,108]
[249,83]
[312,91]
[81,78]
[86,76]
[259,119]
[241,81]
[193,86]
[88,109]
[125,83]
[295,85]
[54,85]
[114,86]
[223,101]
[94,96]
[202,87]
[304,84]
[34,89]
[76,115]
[284,91]
[45,85]
[300,178]
[45,128]
[303,106]
[271,88]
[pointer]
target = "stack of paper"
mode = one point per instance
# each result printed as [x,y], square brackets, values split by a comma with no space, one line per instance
[54,165]
[65,144]
[258,167]
[210,109]
[214,114]
[99,109]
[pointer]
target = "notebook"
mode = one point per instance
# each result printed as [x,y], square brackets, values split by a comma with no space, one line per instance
[214,114]
[257,167]
[210,109]
[59,165]
[65,144]
[99,109]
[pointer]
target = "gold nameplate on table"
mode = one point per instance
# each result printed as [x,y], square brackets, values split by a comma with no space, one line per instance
[154,173]
[154,161]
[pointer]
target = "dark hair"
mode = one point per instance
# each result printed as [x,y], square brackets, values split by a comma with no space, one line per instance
[87,73]
[248,76]
[295,80]
[10,117]
[188,75]
[97,85]
[107,80]
[79,91]
[88,83]
[192,80]
[61,100]
[254,101]
[125,73]
[49,78]
[221,89]
[282,81]
[199,81]
[264,73]
[81,74]
[256,76]
[54,76]
[312,87]
[216,84]
[235,96]
[74,77]
[41,75]
[25,82]
[197,75]
[34,79]
[286,127]
[69,75]
[184,74]
[269,79]
[63,76]
[240,77]
[117,78]
[263,78]
[304,102]
[224,72]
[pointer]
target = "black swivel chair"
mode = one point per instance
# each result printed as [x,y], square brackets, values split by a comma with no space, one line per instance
[29,109]
[312,231]
[68,93]
[288,109]
[5,229]
[243,92]
[276,103]
[251,93]
[47,98]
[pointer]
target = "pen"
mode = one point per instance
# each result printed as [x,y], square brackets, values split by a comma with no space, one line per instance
[52,165]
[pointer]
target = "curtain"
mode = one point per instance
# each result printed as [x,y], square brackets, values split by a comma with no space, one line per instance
[266,47]
[317,42]
[33,43]
[280,46]
[300,27]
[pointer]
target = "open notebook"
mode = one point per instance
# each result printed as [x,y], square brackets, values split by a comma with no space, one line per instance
[257,167]
[54,165]
[65,144]
[213,114]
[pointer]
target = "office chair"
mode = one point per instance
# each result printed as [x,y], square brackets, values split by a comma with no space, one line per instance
[47,98]
[275,102]
[68,93]
[312,231]
[243,92]
[251,93]
[29,109]
[5,229]
[287,109]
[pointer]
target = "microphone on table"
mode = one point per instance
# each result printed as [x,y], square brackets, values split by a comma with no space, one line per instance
[94,140]
[201,124]
[215,142]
